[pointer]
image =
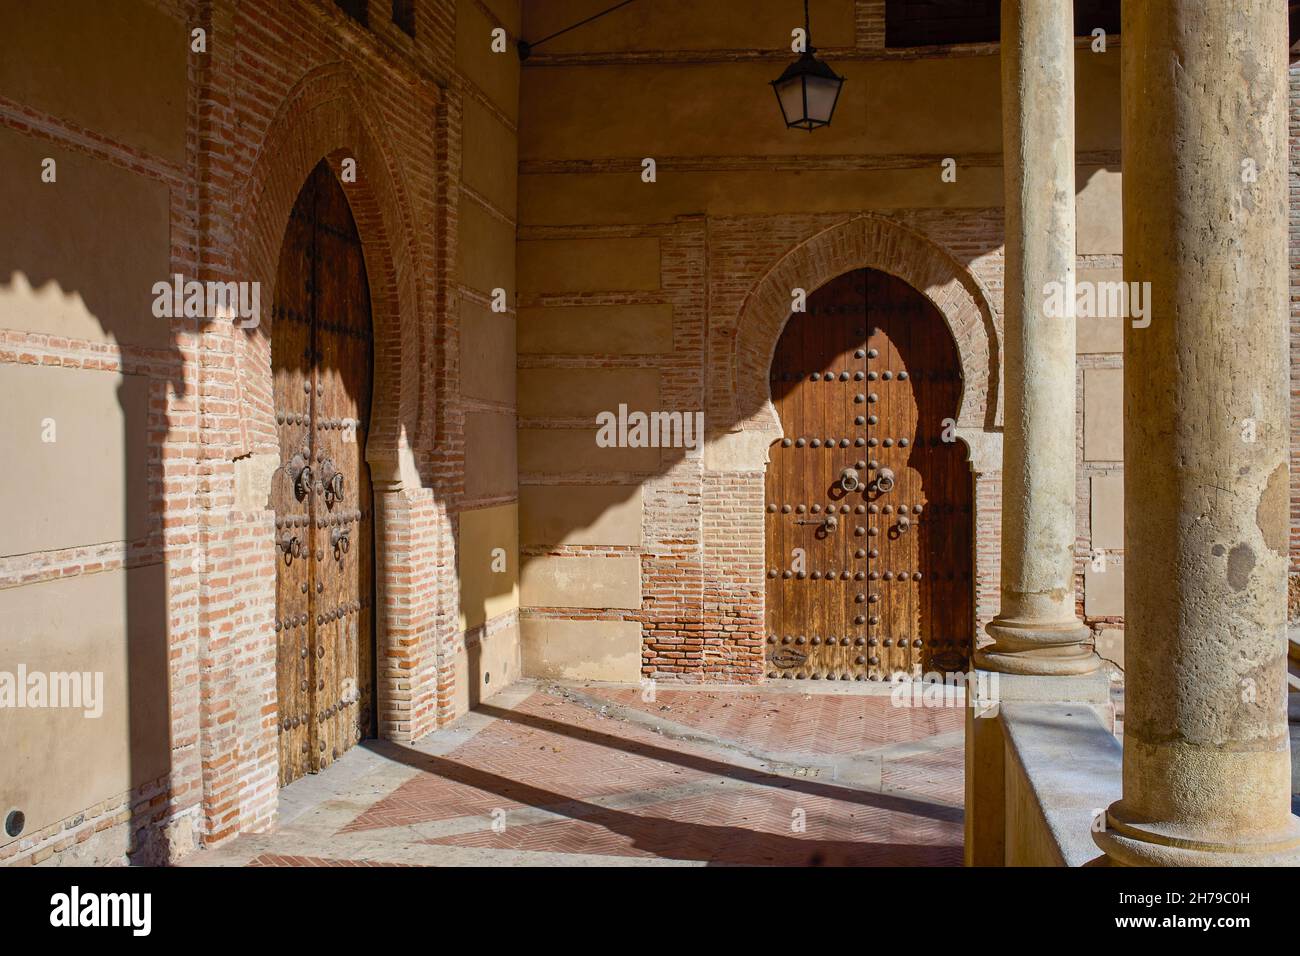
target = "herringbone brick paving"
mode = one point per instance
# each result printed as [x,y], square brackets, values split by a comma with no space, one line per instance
[609,786]
[587,774]
[754,827]
[836,724]
[928,775]
[535,748]
[281,860]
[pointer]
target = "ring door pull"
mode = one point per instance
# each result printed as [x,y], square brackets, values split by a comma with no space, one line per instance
[340,541]
[300,473]
[331,483]
[904,523]
[849,480]
[291,546]
[885,480]
[831,523]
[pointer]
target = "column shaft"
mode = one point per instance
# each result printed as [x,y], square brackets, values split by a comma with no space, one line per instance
[1206,758]
[1037,630]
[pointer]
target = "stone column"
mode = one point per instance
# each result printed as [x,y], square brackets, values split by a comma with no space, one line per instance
[1036,630]
[1206,759]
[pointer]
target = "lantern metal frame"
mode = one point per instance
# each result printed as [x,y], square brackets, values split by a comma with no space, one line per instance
[805,68]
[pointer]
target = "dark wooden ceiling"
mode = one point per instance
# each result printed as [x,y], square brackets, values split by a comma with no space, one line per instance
[910,23]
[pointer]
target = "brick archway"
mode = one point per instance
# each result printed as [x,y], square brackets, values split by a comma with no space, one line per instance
[324,117]
[743,423]
[741,396]
[327,115]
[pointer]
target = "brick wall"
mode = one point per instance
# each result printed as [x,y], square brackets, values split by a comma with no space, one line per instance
[775,213]
[1293,114]
[281,85]
[702,552]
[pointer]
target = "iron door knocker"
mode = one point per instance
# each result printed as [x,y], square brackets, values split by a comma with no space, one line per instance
[292,548]
[331,483]
[300,473]
[340,541]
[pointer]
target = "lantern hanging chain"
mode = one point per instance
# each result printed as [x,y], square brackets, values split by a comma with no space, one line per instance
[807,28]
[594,16]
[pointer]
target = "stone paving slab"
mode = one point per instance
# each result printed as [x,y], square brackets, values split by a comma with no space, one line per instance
[551,774]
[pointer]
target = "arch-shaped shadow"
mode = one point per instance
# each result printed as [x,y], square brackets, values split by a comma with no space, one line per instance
[85,479]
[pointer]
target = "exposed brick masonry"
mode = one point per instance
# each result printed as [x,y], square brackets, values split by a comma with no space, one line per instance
[283,84]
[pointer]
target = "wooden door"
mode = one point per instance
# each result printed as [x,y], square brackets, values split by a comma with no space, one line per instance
[868,517]
[321,356]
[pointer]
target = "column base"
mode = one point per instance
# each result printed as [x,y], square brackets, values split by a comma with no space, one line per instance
[1031,647]
[1129,843]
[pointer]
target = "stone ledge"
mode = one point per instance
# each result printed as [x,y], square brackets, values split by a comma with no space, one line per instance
[1091,688]
[1063,766]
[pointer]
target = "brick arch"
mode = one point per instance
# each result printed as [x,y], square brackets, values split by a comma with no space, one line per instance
[875,242]
[325,116]
[744,422]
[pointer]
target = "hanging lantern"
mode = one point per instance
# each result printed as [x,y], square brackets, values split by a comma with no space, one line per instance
[808,89]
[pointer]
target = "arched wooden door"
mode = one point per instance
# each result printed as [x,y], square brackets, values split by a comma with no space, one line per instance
[868,517]
[321,353]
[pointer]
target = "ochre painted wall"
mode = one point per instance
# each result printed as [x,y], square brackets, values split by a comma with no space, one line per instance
[487,657]
[89,189]
[619,277]
[139,542]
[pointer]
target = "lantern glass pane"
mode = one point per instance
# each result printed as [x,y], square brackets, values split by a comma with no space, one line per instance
[821,98]
[790,93]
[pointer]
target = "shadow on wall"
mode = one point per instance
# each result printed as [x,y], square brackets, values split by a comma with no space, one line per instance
[79,262]
[86,436]
[582,505]
[83,482]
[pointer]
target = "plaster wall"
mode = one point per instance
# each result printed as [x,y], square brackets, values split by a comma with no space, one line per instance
[139,541]
[619,275]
